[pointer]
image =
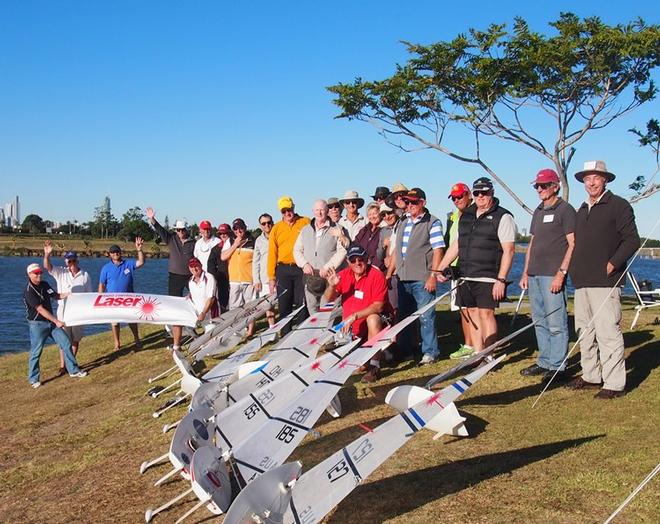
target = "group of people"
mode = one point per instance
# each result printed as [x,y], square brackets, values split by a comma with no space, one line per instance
[387,263]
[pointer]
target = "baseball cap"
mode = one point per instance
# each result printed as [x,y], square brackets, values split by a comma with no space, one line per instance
[385,208]
[285,202]
[416,194]
[356,251]
[34,268]
[70,254]
[205,224]
[482,184]
[114,248]
[224,228]
[458,189]
[546,176]
[194,262]
[239,223]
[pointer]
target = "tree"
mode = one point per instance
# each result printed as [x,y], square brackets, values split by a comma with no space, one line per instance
[543,92]
[651,138]
[33,224]
[133,225]
[104,224]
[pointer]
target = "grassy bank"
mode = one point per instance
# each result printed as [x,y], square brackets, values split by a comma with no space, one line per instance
[96,247]
[70,450]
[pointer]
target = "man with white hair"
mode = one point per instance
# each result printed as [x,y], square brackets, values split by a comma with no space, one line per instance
[318,248]
[605,238]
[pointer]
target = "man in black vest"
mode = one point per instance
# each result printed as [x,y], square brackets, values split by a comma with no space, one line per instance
[485,246]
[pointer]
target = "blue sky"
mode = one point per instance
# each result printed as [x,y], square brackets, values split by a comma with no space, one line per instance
[209,110]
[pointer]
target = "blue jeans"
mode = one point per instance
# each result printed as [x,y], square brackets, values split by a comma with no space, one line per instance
[413,296]
[40,330]
[552,331]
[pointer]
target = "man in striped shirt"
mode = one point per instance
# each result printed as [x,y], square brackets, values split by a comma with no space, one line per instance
[419,248]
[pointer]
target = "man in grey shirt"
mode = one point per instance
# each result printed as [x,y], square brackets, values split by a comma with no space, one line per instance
[546,265]
[260,262]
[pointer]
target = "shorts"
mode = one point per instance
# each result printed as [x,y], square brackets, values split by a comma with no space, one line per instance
[75,333]
[476,294]
[240,293]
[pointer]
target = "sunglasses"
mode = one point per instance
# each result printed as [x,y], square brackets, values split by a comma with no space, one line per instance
[543,185]
[223,233]
[412,202]
[334,206]
[180,230]
[268,223]
[480,193]
[287,210]
[356,260]
[455,198]
[387,213]
[351,203]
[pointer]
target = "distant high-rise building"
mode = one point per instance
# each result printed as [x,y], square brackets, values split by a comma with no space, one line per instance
[106,204]
[12,214]
[17,210]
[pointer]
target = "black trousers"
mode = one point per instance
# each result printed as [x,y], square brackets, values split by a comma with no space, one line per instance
[290,278]
[176,284]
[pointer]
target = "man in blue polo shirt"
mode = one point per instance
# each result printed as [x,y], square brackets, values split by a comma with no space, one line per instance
[117,277]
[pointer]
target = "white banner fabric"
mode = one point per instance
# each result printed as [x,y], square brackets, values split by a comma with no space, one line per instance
[101,308]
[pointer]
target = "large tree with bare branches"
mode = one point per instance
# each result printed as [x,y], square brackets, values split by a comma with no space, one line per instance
[496,83]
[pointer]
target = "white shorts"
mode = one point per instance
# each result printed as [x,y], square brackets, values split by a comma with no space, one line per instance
[239,294]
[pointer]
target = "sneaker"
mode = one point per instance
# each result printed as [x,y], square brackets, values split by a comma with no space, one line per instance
[35,385]
[532,370]
[372,375]
[580,383]
[427,359]
[80,374]
[609,394]
[462,352]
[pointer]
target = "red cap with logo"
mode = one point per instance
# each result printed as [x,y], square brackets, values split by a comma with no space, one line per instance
[546,176]
[205,224]
[458,190]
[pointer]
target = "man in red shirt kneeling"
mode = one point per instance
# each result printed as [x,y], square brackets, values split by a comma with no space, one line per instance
[363,291]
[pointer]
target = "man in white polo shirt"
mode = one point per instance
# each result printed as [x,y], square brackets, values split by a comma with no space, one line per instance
[69,279]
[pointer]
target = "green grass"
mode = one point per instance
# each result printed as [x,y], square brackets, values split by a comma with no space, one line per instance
[70,451]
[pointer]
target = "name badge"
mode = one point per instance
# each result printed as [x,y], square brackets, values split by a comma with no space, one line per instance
[548,218]
[359,294]
[127,271]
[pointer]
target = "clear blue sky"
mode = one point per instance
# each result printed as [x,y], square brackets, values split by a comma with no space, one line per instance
[211,110]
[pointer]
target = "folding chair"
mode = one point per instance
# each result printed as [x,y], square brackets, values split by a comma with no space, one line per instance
[647,299]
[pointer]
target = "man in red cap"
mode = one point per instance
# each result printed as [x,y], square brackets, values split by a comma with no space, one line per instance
[546,266]
[43,324]
[605,238]
[218,267]
[205,243]
[461,196]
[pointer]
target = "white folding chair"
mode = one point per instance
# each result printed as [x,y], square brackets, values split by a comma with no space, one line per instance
[647,299]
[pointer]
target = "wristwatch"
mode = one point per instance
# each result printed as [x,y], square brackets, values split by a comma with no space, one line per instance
[503,280]
[563,271]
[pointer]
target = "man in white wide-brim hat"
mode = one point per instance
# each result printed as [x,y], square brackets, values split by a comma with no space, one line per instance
[605,238]
[353,221]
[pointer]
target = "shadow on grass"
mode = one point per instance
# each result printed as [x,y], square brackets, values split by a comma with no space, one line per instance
[417,488]
[641,362]
[150,342]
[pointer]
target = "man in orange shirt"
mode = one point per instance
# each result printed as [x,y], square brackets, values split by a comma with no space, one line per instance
[283,273]
[239,255]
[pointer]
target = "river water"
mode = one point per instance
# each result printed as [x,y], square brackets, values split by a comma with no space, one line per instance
[152,278]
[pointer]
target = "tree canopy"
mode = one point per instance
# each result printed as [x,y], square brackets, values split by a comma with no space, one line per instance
[496,83]
[33,224]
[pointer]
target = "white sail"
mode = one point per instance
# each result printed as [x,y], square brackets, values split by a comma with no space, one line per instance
[323,487]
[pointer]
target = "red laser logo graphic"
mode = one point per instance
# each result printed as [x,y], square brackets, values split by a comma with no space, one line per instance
[434,400]
[148,308]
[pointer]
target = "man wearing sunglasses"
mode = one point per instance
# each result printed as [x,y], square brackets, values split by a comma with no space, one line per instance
[283,273]
[69,279]
[419,248]
[544,275]
[353,222]
[239,258]
[485,247]
[461,196]
[335,209]
[365,308]
[260,262]
[181,250]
